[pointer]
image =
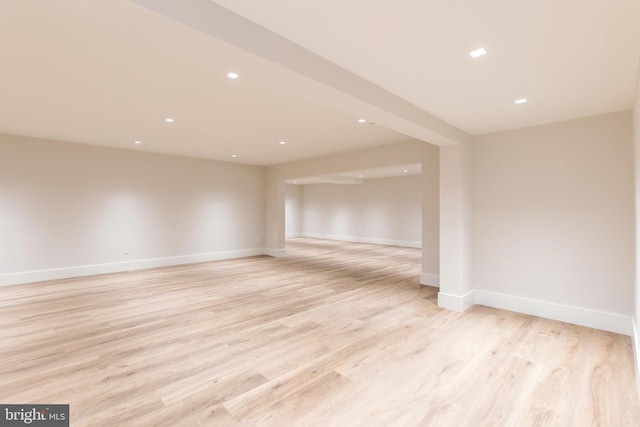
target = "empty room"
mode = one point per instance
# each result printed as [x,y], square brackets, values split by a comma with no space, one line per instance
[249,213]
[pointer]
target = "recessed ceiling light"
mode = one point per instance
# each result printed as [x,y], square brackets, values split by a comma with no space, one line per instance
[168,120]
[232,75]
[234,155]
[478,52]
[283,142]
[362,120]
[520,101]
[359,176]
[406,171]
[137,142]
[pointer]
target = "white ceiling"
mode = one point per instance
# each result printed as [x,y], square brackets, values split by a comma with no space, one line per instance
[569,58]
[108,72]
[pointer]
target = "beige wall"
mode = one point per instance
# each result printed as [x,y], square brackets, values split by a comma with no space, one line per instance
[553,213]
[293,210]
[68,206]
[386,211]
[636,144]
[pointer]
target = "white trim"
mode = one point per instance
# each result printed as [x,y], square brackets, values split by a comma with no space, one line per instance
[429,279]
[116,267]
[293,235]
[275,252]
[455,302]
[372,240]
[565,313]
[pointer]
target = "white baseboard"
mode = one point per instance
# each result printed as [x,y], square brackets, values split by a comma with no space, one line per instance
[116,267]
[455,302]
[292,235]
[430,279]
[275,252]
[577,315]
[372,240]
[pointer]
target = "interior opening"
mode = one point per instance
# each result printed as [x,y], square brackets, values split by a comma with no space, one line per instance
[380,206]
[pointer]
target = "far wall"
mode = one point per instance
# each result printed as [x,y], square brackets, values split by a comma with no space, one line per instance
[71,209]
[383,211]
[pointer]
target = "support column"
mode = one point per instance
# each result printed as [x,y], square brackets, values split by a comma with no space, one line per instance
[274,227]
[456,290]
[430,189]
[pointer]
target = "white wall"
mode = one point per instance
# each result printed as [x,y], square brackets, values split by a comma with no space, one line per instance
[72,209]
[553,218]
[293,210]
[383,211]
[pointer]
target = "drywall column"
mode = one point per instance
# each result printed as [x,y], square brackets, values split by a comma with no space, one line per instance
[293,210]
[456,291]
[274,215]
[430,183]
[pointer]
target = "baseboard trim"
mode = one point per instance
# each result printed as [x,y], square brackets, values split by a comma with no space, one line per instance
[275,252]
[371,240]
[429,279]
[455,302]
[117,267]
[576,315]
[292,235]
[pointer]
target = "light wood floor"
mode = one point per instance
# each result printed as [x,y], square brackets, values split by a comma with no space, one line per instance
[336,334]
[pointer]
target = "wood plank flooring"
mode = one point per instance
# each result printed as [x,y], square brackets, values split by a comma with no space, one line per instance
[335,334]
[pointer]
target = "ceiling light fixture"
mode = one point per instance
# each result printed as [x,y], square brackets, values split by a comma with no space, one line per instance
[362,120]
[406,171]
[137,142]
[232,75]
[283,142]
[520,101]
[359,176]
[478,52]
[234,155]
[168,120]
